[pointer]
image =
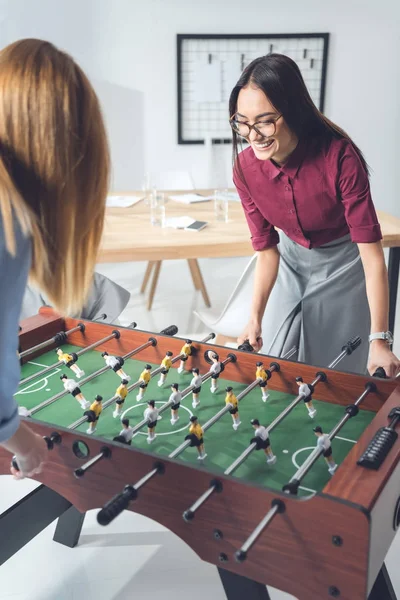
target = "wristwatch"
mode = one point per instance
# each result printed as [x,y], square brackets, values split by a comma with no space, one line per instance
[382,335]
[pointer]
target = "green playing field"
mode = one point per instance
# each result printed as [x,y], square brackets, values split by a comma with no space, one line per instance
[292,440]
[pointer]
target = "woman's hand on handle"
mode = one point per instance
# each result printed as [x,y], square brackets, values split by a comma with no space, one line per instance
[30,451]
[252,333]
[380,355]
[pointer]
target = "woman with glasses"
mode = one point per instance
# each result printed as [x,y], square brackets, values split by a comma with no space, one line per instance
[54,167]
[320,276]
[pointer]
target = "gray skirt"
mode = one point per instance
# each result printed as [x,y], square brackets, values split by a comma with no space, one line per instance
[318,303]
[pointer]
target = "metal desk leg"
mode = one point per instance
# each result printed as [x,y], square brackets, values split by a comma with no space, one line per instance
[238,587]
[383,589]
[69,527]
[393,273]
[28,517]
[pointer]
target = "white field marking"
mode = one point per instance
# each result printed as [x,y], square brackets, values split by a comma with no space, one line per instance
[285,451]
[345,439]
[185,428]
[43,382]
[298,452]
[32,362]
[301,487]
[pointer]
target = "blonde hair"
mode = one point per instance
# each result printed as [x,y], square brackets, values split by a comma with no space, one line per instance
[54,167]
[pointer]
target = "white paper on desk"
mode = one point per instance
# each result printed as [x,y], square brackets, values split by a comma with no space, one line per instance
[189,198]
[122,201]
[179,222]
[207,81]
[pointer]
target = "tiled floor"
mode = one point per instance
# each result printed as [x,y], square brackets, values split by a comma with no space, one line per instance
[133,557]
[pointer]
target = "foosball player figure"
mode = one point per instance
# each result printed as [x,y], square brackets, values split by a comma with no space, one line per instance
[120,395]
[151,414]
[69,361]
[232,401]
[175,398]
[262,440]
[166,364]
[215,371]
[262,376]
[116,363]
[94,412]
[186,351]
[196,383]
[144,382]
[73,388]
[195,436]
[324,444]
[126,432]
[306,391]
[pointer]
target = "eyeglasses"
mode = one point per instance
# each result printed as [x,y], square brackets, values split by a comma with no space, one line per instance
[266,128]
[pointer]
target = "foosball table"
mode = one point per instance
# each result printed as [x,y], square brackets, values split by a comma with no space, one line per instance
[275,484]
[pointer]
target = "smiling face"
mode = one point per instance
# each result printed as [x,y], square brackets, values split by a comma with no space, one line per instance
[253,107]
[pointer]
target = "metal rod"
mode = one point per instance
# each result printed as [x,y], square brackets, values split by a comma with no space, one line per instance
[209,337]
[105,452]
[132,387]
[253,537]
[84,381]
[49,342]
[244,456]
[214,419]
[58,363]
[317,452]
[145,479]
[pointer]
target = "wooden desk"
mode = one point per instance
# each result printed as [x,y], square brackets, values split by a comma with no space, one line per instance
[129,236]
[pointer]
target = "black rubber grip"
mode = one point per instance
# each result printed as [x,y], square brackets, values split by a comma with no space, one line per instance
[352,344]
[116,506]
[171,330]
[60,338]
[380,372]
[378,448]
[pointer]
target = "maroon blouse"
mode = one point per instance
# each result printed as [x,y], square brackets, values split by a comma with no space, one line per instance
[321,194]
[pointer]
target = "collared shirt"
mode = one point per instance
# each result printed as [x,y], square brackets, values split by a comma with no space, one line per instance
[319,195]
[70,384]
[262,432]
[127,433]
[111,361]
[323,442]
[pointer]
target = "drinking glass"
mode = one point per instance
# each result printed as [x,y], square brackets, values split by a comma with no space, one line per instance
[221,205]
[157,209]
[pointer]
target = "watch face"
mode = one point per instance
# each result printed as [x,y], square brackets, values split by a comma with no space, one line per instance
[389,337]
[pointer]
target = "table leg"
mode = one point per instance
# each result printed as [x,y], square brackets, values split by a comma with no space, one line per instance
[69,527]
[156,273]
[196,269]
[28,517]
[146,277]
[238,587]
[383,589]
[393,273]
[193,274]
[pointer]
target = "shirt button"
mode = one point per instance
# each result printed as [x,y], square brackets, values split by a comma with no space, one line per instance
[287,188]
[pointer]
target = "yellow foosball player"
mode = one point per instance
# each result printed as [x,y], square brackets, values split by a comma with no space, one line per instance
[262,440]
[324,443]
[196,437]
[151,414]
[69,361]
[73,388]
[121,394]
[144,379]
[262,376]
[186,351]
[232,401]
[166,364]
[94,412]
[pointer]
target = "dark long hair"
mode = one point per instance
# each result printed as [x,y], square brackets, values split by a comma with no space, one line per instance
[279,77]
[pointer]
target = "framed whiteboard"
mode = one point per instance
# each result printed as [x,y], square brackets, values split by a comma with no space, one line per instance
[209,66]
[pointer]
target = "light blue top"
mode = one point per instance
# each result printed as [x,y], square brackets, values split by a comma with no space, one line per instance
[13,279]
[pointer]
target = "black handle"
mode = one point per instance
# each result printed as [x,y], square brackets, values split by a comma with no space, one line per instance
[352,344]
[171,330]
[380,372]
[116,505]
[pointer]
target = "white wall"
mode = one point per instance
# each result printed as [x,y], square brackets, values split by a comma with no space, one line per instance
[129,50]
